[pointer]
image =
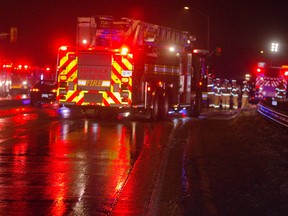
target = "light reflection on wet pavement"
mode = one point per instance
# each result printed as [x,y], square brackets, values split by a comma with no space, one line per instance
[77,167]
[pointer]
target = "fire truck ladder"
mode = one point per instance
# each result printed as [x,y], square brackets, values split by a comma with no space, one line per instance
[151,33]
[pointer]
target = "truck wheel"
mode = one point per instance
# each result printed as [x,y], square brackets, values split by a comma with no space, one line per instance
[155,112]
[196,105]
[164,106]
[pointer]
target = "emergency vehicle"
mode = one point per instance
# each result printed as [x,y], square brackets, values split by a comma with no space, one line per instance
[5,79]
[21,79]
[131,67]
[25,76]
[18,79]
[268,78]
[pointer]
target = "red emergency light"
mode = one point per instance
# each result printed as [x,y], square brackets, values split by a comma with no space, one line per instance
[63,48]
[260,70]
[124,51]
[285,72]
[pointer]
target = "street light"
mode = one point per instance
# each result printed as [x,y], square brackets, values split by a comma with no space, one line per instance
[208,24]
[274,47]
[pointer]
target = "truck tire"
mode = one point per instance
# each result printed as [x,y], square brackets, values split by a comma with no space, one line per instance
[164,106]
[196,105]
[155,111]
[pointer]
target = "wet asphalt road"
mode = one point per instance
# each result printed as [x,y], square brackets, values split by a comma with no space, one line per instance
[51,166]
[181,166]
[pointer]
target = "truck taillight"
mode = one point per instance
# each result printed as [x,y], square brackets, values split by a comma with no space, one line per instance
[35,90]
[125,80]
[63,84]
[71,56]
[125,86]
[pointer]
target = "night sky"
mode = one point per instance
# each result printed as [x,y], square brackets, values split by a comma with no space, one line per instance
[242,29]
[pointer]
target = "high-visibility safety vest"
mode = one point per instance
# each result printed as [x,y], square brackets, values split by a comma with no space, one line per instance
[235,91]
[245,91]
[280,91]
[217,90]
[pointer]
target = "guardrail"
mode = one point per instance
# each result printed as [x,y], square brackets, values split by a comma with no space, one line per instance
[273,114]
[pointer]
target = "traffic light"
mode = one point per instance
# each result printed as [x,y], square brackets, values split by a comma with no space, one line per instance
[13,34]
[218,51]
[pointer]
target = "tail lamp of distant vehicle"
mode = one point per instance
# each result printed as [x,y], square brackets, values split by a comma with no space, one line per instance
[35,90]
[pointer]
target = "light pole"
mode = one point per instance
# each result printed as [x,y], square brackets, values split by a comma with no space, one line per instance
[208,24]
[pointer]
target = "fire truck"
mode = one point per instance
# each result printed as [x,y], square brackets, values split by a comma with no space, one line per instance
[131,68]
[268,79]
[5,79]
[24,76]
[17,79]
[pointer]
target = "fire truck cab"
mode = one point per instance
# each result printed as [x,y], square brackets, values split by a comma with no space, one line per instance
[130,67]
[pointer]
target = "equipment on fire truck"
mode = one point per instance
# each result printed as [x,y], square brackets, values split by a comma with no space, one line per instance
[131,67]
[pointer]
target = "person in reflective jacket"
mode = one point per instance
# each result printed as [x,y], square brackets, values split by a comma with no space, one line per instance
[210,92]
[217,90]
[245,94]
[281,92]
[225,94]
[235,94]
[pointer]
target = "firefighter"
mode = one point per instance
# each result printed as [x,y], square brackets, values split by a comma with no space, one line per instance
[225,95]
[245,94]
[229,89]
[210,92]
[235,94]
[281,91]
[217,90]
